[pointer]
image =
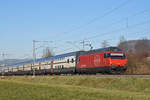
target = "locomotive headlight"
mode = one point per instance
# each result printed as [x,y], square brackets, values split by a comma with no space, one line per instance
[112,64]
[125,64]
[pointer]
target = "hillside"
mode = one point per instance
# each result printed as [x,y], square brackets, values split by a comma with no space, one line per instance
[130,45]
[138,56]
[13,61]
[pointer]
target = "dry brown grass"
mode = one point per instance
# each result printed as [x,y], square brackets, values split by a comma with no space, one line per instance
[138,65]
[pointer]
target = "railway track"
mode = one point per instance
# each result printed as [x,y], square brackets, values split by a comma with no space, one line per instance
[108,76]
[121,76]
[97,76]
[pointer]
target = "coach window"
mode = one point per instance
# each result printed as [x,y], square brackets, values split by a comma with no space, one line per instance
[68,61]
[72,60]
[62,66]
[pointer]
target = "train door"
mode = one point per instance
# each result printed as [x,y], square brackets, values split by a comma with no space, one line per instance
[52,63]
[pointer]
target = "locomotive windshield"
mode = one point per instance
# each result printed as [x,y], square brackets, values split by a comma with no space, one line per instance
[115,55]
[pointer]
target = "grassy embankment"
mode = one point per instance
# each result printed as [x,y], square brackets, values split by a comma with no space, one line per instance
[74,88]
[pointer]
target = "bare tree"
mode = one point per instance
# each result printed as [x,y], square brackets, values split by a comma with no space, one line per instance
[47,52]
[122,39]
[105,44]
[142,48]
[123,44]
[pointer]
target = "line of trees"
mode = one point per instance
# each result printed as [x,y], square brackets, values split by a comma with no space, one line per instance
[138,52]
[140,48]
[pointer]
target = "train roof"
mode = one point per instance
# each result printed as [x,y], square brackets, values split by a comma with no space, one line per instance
[102,50]
[108,49]
[44,59]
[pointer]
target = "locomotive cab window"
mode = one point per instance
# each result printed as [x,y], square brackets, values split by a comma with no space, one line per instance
[117,56]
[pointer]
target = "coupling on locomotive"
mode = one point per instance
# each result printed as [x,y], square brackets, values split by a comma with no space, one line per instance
[109,60]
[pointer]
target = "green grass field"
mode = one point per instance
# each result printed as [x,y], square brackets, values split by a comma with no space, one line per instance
[74,88]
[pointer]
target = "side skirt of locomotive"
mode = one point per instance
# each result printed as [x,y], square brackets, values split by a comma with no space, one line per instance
[107,69]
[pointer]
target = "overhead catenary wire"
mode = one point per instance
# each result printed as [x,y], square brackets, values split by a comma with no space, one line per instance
[120,29]
[99,17]
[127,18]
[128,26]
[109,40]
[63,51]
[117,30]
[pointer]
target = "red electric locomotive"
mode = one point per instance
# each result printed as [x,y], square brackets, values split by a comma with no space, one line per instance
[107,60]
